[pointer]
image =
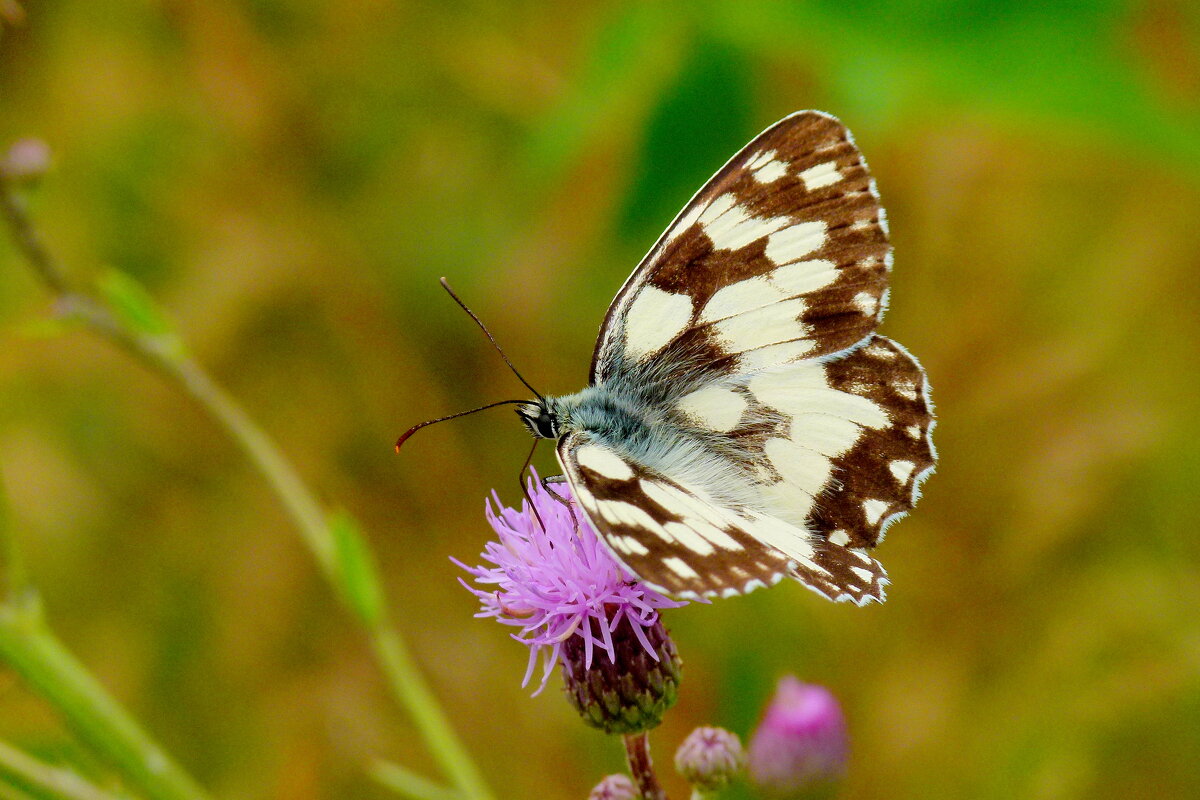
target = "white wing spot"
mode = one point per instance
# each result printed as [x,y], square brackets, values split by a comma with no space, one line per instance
[839,537]
[789,539]
[914,431]
[795,241]
[632,545]
[821,175]
[778,322]
[829,436]
[731,226]
[906,389]
[689,538]
[902,470]
[866,302]
[860,554]
[873,509]
[714,407]
[680,567]
[801,277]
[603,461]
[686,221]
[790,280]
[655,318]
[774,355]
[737,298]
[771,171]
[803,389]
[761,159]
[618,512]
[866,574]
[805,470]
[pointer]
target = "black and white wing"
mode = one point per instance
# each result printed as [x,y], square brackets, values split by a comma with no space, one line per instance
[749,329]
[677,538]
[782,255]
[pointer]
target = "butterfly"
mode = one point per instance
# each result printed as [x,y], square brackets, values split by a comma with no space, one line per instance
[744,422]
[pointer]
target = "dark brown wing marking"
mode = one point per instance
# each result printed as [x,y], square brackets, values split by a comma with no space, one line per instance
[799,194]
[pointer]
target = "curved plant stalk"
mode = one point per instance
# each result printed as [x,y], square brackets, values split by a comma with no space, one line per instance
[57,782]
[406,782]
[29,646]
[33,651]
[125,315]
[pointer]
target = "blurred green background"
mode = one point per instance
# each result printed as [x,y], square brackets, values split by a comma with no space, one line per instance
[290,178]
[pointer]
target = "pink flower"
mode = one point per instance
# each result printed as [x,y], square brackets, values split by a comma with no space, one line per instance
[559,582]
[800,746]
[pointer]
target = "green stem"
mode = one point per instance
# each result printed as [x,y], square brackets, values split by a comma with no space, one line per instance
[412,690]
[397,663]
[405,782]
[33,651]
[62,783]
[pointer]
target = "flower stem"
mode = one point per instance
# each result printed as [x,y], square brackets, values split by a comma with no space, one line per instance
[406,782]
[35,653]
[403,677]
[56,781]
[637,754]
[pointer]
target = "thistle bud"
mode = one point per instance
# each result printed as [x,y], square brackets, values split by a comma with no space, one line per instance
[799,750]
[614,787]
[26,160]
[631,692]
[710,758]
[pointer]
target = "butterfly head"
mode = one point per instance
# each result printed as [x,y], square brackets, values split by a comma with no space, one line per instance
[540,418]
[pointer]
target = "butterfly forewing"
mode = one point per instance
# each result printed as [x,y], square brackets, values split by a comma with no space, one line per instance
[782,255]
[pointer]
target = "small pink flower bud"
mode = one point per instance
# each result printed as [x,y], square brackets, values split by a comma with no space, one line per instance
[800,747]
[26,159]
[614,787]
[710,758]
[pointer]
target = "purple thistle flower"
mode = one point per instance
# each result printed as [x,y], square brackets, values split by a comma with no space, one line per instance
[557,583]
[800,747]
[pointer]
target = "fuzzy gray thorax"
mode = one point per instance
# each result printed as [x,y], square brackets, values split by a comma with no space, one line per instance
[644,432]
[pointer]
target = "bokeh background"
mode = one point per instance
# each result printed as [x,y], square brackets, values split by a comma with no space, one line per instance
[289,179]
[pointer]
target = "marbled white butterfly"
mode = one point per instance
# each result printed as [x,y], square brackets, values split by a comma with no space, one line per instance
[744,422]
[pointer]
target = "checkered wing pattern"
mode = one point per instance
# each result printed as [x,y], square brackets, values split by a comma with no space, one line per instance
[782,255]
[786,434]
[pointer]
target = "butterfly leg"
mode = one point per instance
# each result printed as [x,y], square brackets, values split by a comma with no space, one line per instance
[525,489]
[556,479]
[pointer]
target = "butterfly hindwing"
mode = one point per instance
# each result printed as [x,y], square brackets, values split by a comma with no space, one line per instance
[677,539]
[671,536]
[783,254]
[878,479]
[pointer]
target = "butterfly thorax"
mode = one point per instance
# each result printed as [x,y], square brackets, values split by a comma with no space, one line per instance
[639,429]
[595,409]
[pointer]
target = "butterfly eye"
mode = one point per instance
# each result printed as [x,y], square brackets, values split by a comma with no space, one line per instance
[547,425]
[540,421]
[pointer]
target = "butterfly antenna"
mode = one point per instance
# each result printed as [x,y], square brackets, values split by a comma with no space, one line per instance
[428,422]
[525,489]
[492,339]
